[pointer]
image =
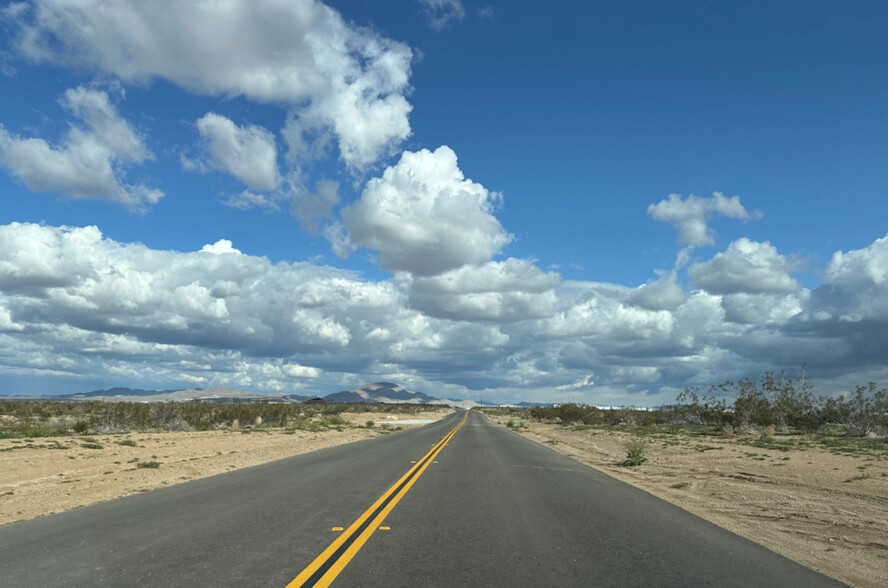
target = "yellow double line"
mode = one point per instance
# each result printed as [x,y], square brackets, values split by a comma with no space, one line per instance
[324,569]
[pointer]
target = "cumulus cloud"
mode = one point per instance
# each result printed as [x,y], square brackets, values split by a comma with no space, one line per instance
[424,217]
[440,14]
[855,285]
[217,298]
[333,77]
[602,312]
[763,308]
[664,293]
[248,152]
[745,267]
[690,215]
[74,304]
[92,305]
[220,247]
[864,267]
[507,291]
[90,159]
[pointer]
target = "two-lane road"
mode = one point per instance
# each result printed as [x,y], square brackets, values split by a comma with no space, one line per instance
[475,505]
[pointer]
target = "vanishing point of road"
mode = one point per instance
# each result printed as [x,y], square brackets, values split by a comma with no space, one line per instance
[459,502]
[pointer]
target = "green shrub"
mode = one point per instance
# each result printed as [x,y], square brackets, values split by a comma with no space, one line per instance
[80,427]
[634,453]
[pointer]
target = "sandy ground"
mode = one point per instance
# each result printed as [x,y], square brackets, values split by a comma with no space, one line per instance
[48,475]
[827,511]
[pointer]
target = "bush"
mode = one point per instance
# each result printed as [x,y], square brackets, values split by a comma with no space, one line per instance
[148,465]
[864,413]
[793,404]
[634,453]
[569,414]
[781,402]
[80,427]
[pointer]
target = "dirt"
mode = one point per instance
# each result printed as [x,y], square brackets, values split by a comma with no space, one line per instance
[825,510]
[52,474]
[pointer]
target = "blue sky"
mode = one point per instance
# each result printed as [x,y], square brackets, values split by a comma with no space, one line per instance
[602,202]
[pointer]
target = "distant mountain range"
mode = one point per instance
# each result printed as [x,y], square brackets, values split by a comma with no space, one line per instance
[378,393]
[218,394]
[381,393]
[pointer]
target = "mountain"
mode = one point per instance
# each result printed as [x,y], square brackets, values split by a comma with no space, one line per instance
[118,391]
[217,394]
[380,393]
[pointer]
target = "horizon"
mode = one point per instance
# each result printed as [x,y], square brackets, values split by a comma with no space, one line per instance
[583,202]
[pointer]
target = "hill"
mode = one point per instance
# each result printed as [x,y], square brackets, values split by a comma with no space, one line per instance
[380,393]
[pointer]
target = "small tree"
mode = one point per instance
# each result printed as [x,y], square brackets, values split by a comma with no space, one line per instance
[863,413]
[792,402]
[694,409]
[752,408]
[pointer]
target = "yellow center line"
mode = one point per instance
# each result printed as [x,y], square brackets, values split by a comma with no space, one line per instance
[333,558]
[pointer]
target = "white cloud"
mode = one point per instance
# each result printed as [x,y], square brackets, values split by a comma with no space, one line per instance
[215,298]
[74,304]
[102,119]
[745,267]
[440,14]
[248,152]
[333,77]
[691,214]
[294,370]
[89,161]
[424,217]
[763,308]
[33,258]
[867,266]
[220,247]
[246,200]
[664,293]
[507,291]
[601,312]
[855,285]
[6,322]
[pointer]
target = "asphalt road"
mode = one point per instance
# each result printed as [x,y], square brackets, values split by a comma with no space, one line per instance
[488,508]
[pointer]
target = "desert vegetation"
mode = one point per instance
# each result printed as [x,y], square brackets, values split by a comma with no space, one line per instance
[45,418]
[773,404]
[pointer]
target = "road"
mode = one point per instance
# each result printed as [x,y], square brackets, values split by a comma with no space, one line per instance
[441,505]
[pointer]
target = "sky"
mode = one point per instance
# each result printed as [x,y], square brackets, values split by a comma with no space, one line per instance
[600,202]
